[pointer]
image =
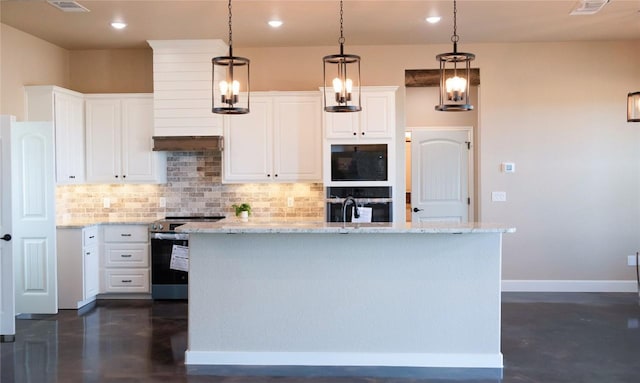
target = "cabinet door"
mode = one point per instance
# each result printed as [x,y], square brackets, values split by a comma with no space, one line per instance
[91,271]
[341,125]
[378,114]
[138,158]
[69,126]
[297,138]
[247,151]
[103,118]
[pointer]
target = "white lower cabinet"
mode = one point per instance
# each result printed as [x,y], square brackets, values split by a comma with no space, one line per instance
[125,259]
[78,266]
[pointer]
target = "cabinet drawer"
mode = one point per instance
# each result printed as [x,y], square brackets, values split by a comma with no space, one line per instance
[90,236]
[126,281]
[126,233]
[126,255]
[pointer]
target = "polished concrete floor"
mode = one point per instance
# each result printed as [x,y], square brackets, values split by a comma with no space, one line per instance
[555,337]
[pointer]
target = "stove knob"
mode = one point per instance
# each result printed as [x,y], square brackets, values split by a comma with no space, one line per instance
[160,227]
[153,226]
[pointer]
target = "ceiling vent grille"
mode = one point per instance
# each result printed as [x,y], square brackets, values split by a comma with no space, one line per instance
[68,6]
[588,7]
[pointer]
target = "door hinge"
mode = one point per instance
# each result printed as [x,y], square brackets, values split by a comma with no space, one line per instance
[468,201]
[468,145]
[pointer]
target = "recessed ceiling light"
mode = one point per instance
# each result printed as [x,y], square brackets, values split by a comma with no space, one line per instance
[275,23]
[433,19]
[118,25]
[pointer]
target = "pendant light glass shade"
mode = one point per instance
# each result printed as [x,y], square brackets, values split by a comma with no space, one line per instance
[633,107]
[341,73]
[230,81]
[455,75]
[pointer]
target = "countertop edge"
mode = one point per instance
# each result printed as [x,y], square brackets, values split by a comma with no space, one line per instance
[236,227]
[82,225]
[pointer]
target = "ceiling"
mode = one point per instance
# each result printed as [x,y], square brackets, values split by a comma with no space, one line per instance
[316,22]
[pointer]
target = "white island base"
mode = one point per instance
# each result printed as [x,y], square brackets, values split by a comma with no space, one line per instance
[366,298]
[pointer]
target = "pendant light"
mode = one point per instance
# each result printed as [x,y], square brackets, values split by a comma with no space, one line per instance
[633,107]
[230,77]
[454,89]
[341,74]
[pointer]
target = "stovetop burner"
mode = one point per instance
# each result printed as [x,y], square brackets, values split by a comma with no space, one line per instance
[169,224]
[212,218]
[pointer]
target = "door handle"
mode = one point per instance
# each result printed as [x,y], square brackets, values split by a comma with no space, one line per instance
[415,210]
[6,237]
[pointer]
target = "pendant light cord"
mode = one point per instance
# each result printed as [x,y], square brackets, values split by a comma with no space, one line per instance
[341,39]
[455,38]
[230,33]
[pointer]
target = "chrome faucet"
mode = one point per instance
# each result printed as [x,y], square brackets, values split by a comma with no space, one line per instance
[356,213]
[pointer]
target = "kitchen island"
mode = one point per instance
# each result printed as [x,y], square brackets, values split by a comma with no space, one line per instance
[328,294]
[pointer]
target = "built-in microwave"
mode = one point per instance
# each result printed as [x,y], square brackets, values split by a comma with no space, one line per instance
[365,162]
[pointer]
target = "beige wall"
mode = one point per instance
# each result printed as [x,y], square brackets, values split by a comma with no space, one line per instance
[112,71]
[558,111]
[575,196]
[555,109]
[27,60]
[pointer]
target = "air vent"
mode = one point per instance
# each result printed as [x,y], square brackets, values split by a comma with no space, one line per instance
[588,7]
[68,6]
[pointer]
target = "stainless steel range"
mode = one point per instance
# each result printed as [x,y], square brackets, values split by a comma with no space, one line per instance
[168,282]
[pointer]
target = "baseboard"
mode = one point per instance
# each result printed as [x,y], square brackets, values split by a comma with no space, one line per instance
[573,286]
[124,296]
[458,360]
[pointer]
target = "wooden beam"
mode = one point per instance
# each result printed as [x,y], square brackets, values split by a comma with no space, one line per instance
[189,143]
[431,77]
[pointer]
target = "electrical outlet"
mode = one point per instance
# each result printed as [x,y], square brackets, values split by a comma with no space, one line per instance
[631,260]
[498,196]
[106,203]
[162,201]
[290,201]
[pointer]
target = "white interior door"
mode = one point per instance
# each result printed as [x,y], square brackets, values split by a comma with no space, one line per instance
[7,297]
[33,217]
[440,177]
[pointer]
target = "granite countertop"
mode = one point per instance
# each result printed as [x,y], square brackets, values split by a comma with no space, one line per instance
[83,224]
[235,226]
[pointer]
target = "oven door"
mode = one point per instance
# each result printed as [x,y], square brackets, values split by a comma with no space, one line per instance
[167,283]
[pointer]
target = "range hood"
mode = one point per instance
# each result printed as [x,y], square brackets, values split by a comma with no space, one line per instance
[187,143]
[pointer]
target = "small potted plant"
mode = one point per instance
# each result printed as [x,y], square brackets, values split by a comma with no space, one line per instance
[243,211]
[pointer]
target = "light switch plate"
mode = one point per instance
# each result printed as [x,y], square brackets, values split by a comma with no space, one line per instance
[498,196]
[106,203]
[162,201]
[508,167]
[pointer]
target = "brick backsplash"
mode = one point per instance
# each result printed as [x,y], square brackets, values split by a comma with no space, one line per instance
[193,188]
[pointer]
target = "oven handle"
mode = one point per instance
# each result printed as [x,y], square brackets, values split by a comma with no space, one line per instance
[170,236]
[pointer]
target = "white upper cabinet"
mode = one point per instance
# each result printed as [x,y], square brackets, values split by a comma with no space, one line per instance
[66,109]
[280,140]
[297,137]
[119,142]
[248,143]
[182,80]
[376,120]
